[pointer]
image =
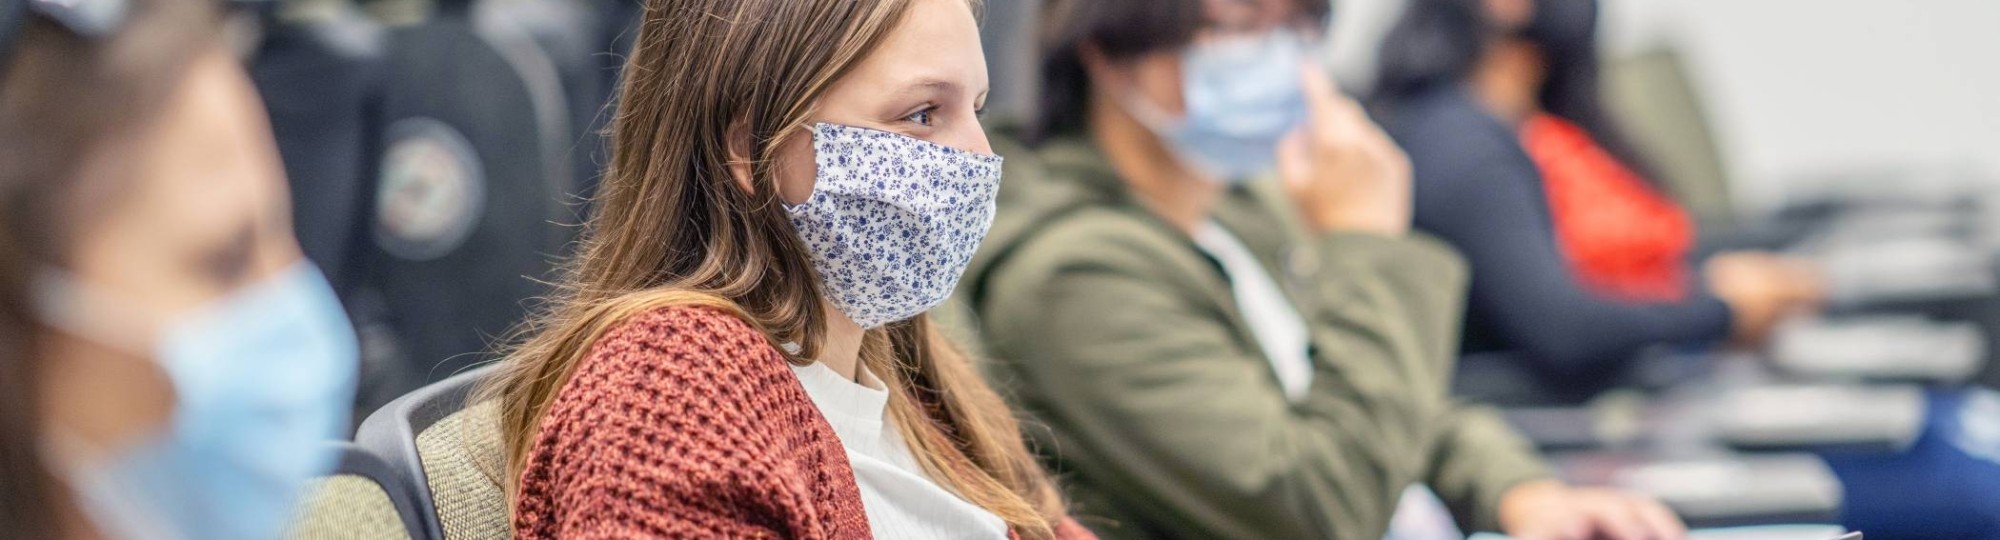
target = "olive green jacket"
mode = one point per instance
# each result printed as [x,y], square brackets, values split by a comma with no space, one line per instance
[1151,396]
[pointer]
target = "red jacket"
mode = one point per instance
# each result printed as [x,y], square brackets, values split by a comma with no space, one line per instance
[1621,236]
[686,423]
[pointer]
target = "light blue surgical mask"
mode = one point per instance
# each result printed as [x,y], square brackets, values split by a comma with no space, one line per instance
[262,379]
[1242,96]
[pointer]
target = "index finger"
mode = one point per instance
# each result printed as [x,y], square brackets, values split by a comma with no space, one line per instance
[1321,93]
[1616,519]
[1324,101]
[1661,520]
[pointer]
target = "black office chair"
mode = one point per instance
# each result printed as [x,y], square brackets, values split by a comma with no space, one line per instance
[363,499]
[450,452]
[1007,35]
[317,67]
[476,183]
[572,36]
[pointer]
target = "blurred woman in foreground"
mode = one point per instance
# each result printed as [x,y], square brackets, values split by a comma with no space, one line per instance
[170,363]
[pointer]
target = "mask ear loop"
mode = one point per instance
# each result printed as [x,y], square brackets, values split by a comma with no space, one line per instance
[85,469]
[65,304]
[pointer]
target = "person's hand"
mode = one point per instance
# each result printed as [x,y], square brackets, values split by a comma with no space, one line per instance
[1550,510]
[1341,170]
[1762,290]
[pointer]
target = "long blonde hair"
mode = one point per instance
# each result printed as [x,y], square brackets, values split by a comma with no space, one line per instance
[670,227]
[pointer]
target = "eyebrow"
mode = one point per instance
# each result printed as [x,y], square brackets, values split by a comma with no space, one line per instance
[927,84]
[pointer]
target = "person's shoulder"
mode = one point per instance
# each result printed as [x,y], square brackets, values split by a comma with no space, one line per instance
[1442,122]
[682,327]
[683,352]
[1102,238]
[681,407]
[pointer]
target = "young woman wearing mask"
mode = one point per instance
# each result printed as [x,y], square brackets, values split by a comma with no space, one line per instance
[1221,356]
[171,363]
[742,348]
[1579,261]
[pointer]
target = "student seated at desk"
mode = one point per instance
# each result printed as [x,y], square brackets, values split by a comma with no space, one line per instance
[743,349]
[1220,358]
[1579,260]
[171,367]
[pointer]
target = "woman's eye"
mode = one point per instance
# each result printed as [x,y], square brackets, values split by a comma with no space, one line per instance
[921,118]
[229,264]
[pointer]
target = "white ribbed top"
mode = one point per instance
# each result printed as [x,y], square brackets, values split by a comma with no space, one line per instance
[901,501]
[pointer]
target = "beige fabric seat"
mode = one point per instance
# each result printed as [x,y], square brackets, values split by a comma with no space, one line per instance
[449,454]
[463,463]
[363,499]
[347,507]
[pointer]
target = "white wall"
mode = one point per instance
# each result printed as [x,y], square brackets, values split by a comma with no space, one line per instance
[1806,87]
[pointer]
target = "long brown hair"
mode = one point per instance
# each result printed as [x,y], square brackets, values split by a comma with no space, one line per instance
[63,100]
[670,226]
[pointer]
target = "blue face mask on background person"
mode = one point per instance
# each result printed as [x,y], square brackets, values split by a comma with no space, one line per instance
[263,379]
[1242,96]
[893,220]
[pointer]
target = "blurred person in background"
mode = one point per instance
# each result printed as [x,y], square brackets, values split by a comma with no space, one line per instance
[172,366]
[1579,259]
[743,347]
[1219,354]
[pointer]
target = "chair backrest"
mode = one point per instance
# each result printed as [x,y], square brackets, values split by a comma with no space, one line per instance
[317,66]
[419,436]
[1007,34]
[474,183]
[1656,101]
[363,499]
[463,461]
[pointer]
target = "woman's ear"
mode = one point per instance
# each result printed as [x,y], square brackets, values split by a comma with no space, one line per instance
[740,155]
[1155,76]
[1096,65]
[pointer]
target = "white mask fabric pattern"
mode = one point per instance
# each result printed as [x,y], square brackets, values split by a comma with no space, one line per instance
[893,220]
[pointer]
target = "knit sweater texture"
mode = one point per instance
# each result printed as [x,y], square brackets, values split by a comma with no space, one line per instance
[686,422]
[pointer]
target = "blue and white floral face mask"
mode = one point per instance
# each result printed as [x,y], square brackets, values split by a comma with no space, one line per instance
[893,220]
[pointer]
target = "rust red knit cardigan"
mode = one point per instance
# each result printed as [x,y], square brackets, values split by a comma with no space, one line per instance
[685,423]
